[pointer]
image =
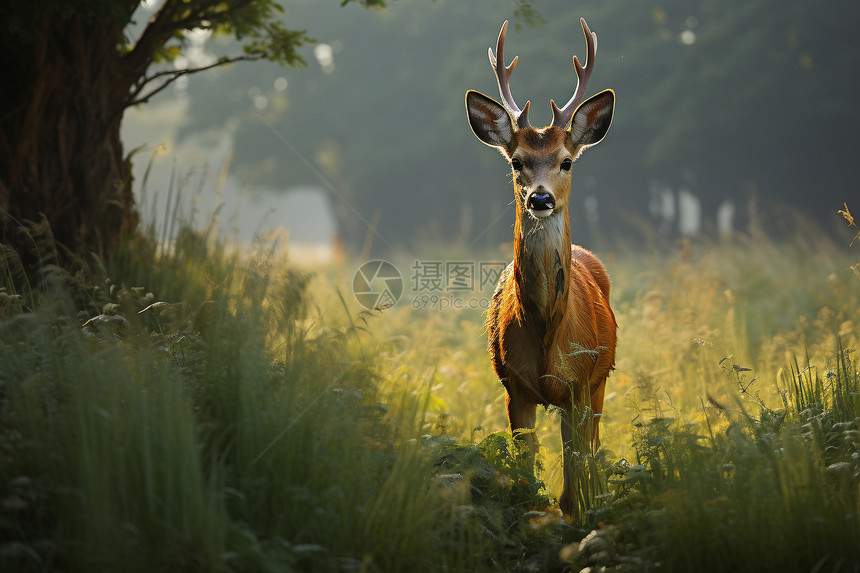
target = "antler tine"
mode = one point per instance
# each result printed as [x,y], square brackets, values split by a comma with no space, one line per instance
[561,117]
[503,76]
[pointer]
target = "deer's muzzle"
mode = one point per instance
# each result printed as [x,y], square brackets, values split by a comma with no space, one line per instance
[540,204]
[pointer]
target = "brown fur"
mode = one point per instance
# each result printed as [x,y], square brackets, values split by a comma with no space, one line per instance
[528,347]
[551,327]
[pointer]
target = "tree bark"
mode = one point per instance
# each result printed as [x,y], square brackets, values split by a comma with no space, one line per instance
[64,183]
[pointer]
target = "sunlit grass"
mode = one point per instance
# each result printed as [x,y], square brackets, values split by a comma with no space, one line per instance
[697,321]
[205,408]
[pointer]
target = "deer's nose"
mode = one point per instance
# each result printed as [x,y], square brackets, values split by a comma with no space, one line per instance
[540,201]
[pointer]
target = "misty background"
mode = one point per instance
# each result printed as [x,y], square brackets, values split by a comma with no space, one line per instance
[727,112]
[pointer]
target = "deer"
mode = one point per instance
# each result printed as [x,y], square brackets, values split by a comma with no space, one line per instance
[551,330]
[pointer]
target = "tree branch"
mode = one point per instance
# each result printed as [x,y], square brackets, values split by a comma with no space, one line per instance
[195,20]
[165,24]
[156,33]
[172,75]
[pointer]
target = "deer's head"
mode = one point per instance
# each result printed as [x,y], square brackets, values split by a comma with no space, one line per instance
[541,158]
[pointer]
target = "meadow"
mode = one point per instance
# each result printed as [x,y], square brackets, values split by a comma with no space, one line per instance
[195,407]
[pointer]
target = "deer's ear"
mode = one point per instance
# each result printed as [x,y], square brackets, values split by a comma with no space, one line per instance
[592,119]
[489,121]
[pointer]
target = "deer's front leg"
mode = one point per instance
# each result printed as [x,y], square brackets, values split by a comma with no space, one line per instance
[597,407]
[522,393]
[579,437]
[522,417]
[569,463]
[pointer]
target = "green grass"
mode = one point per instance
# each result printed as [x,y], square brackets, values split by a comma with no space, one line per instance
[197,408]
[223,434]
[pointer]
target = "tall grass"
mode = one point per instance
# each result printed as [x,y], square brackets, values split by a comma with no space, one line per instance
[774,491]
[699,424]
[220,427]
[197,407]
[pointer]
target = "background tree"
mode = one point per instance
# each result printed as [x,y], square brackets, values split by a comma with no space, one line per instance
[70,69]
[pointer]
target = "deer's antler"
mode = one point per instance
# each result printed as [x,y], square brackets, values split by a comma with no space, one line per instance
[561,117]
[503,75]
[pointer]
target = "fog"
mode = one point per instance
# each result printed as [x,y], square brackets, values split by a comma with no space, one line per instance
[729,114]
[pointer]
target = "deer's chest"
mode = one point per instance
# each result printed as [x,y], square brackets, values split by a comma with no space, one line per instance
[544,268]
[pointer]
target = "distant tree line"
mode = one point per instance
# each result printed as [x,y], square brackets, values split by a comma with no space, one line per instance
[728,99]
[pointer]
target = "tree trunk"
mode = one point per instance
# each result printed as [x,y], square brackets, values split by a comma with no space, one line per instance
[62,171]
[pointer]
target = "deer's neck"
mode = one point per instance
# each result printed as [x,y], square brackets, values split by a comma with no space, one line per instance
[542,268]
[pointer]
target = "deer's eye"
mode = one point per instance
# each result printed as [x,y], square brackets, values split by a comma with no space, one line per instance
[516,164]
[565,165]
